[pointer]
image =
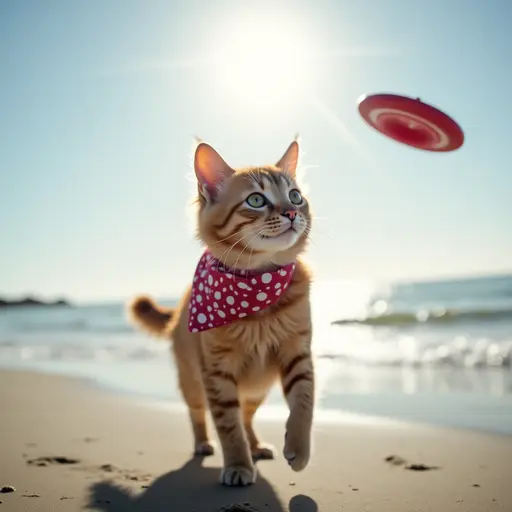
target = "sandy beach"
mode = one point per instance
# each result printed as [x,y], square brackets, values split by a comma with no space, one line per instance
[67,445]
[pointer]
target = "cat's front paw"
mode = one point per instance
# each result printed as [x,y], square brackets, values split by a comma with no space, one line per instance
[296,448]
[238,475]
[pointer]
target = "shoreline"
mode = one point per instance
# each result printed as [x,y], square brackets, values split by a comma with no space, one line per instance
[465,412]
[268,413]
[122,457]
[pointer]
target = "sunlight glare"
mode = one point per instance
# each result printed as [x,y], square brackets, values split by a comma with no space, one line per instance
[264,62]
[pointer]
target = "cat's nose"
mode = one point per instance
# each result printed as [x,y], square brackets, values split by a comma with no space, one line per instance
[290,214]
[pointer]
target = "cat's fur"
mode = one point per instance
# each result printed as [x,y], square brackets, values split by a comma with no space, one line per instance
[230,369]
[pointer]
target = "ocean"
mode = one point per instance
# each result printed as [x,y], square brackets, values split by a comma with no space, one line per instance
[429,352]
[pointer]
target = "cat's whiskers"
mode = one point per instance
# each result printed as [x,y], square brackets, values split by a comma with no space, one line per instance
[319,229]
[228,250]
[228,237]
[236,243]
[323,233]
[242,251]
[224,259]
[307,231]
[250,256]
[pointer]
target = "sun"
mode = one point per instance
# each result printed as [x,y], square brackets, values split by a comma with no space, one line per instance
[264,61]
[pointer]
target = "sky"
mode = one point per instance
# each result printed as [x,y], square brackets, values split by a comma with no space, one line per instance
[100,102]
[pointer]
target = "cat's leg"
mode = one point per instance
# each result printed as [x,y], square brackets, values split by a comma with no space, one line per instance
[222,392]
[193,392]
[259,450]
[297,379]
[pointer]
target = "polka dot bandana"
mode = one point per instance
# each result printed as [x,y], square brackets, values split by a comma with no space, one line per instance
[221,295]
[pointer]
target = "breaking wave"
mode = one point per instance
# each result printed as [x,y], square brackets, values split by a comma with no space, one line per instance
[431,317]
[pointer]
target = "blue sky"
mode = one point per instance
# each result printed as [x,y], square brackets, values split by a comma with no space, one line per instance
[100,101]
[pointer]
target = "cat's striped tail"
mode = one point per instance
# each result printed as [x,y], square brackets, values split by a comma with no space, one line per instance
[150,316]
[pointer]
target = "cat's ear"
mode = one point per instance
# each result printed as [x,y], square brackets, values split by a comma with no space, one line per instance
[289,161]
[211,169]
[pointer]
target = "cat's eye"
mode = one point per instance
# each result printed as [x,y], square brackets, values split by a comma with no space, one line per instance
[256,200]
[295,197]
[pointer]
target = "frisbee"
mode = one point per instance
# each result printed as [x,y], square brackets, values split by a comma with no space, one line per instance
[412,122]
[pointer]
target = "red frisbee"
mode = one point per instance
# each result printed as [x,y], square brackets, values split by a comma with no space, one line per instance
[412,122]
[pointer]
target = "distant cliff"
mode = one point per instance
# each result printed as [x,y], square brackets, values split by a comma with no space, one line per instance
[30,301]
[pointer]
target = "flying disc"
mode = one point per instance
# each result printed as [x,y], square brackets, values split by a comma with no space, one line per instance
[412,122]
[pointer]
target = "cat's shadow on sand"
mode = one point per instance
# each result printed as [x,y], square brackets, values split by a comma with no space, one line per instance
[192,488]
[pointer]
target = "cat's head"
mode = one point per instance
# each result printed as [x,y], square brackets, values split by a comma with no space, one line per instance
[253,217]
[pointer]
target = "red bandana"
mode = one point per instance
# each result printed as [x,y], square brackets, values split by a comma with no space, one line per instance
[221,295]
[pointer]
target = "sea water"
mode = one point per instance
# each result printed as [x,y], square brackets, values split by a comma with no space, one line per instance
[431,352]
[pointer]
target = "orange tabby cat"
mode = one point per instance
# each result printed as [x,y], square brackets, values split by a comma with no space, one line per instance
[254,223]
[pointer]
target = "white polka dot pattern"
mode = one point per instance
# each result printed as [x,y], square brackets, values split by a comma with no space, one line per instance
[221,295]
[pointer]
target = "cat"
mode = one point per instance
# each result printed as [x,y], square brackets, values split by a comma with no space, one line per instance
[245,320]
